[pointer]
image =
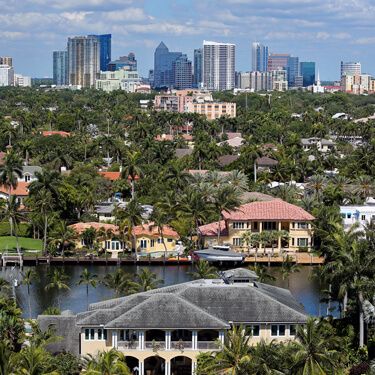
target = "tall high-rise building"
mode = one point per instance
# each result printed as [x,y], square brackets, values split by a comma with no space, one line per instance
[6,75]
[198,67]
[219,65]
[163,66]
[60,68]
[259,57]
[105,50]
[307,71]
[255,81]
[6,60]
[292,70]
[124,62]
[83,60]
[182,73]
[277,61]
[350,68]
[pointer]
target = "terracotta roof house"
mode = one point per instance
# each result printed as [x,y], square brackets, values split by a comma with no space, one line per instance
[21,191]
[111,176]
[148,238]
[265,216]
[48,133]
[162,331]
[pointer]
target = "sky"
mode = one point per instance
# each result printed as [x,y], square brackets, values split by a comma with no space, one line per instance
[325,31]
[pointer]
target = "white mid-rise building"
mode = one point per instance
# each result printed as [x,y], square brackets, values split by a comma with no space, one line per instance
[218,66]
[22,81]
[279,80]
[126,80]
[6,75]
[361,214]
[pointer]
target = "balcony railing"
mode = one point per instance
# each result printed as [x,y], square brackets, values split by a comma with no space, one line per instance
[208,345]
[155,345]
[181,345]
[128,345]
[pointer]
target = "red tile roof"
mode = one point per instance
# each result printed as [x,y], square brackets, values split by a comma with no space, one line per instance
[150,229]
[275,209]
[47,133]
[81,227]
[20,190]
[210,230]
[112,176]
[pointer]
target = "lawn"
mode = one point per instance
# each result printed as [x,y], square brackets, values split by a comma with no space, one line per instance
[24,242]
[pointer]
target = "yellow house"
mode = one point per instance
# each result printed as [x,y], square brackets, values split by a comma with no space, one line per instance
[272,224]
[149,238]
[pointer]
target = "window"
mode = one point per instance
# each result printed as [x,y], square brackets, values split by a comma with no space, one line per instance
[343,216]
[238,225]
[160,240]
[292,330]
[100,334]
[363,217]
[278,330]
[349,216]
[143,244]
[152,243]
[269,225]
[255,225]
[170,240]
[253,330]
[87,334]
[105,334]
[302,242]
[302,225]
[237,241]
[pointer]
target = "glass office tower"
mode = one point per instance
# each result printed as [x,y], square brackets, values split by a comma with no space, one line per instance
[307,71]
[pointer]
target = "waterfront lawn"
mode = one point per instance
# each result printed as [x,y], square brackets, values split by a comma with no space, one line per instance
[8,242]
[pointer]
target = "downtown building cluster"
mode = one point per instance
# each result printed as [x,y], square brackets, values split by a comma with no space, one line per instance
[87,62]
[8,77]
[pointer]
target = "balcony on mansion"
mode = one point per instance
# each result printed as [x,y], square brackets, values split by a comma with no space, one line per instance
[273,224]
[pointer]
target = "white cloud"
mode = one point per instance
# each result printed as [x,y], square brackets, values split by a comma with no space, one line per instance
[129,14]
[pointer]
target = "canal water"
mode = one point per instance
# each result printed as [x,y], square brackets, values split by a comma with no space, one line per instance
[306,290]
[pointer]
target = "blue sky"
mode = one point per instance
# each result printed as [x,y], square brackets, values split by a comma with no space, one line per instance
[324,31]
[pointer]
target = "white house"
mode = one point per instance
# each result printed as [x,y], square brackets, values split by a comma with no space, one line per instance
[358,214]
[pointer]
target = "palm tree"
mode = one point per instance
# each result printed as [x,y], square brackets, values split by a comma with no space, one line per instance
[288,267]
[34,360]
[144,281]
[10,171]
[89,236]
[117,281]
[364,186]
[6,362]
[203,270]
[109,362]
[12,213]
[57,280]
[267,359]
[62,236]
[234,358]
[262,273]
[88,279]
[27,279]
[314,352]
[248,239]
[316,184]
[133,169]
[225,199]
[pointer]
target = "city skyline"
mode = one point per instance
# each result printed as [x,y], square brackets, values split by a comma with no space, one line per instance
[326,32]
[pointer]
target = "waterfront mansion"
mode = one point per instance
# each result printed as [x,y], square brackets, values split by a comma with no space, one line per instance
[163,330]
[289,225]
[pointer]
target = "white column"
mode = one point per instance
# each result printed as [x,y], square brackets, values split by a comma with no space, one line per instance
[141,367]
[167,367]
[141,340]
[221,337]
[167,340]
[114,339]
[193,368]
[195,340]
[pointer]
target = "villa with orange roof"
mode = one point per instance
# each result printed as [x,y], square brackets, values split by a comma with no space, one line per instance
[20,192]
[257,217]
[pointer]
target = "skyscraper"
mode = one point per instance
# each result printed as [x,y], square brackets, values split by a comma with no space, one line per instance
[182,73]
[6,75]
[124,62]
[307,71]
[163,64]
[350,68]
[292,70]
[277,61]
[218,65]
[259,56]
[6,60]
[198,67]
[60,68]
[105,50]
[83,60]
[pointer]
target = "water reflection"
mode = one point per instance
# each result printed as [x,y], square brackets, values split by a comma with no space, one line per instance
[306,290]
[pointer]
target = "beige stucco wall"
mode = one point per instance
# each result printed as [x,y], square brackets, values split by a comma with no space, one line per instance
[158,247]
